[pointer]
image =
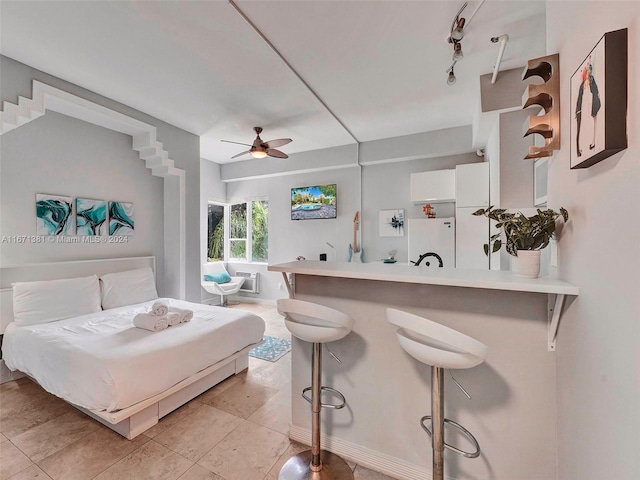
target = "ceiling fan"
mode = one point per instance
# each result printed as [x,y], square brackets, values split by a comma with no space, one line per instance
[261,149]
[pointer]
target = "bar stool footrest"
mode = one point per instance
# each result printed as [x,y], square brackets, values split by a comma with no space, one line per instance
[327,405]
[464,431]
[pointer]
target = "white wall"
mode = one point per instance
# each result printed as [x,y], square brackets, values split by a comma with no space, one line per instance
[60,146]
[386,187]
[212,189]
[60,155]
[290,238]
[598,362]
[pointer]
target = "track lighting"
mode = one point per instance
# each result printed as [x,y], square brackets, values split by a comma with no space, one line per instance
[457,51]
[456,34]
[451,79]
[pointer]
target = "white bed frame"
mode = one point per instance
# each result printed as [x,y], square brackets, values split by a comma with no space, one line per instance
[131,421]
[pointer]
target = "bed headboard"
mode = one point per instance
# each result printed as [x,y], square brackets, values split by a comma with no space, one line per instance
[32,272]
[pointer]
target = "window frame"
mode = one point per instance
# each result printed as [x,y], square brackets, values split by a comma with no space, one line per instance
[249,229]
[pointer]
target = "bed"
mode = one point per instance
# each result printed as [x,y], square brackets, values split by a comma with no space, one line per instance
[125,377]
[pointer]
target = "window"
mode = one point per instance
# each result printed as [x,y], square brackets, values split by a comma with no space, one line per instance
[239,231]
[215,232]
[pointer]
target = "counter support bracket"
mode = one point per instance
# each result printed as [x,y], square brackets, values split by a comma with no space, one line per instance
[288,284]
[555,303]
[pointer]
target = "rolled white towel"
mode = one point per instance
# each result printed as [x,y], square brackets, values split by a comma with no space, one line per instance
[150,322]
[185,315]
[174,318]
[159,308]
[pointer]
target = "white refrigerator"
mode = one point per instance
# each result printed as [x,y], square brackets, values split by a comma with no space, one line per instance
[432,236]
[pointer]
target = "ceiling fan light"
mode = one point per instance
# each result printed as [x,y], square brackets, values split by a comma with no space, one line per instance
[258,153]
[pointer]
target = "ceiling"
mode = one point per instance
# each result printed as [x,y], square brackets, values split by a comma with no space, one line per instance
[380,66]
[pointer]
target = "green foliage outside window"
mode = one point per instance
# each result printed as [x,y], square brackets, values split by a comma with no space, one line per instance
[260,233]
[215,233]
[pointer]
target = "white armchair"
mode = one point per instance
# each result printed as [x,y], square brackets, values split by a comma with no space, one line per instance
[222,289]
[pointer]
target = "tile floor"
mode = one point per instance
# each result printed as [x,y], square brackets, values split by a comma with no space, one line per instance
[234,431]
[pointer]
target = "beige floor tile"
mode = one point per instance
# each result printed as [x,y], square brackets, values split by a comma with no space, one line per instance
[242,399]
[247,453]
[31,473]
[200,473]
[275,414]
[272,374]
[256,308]
[199,432]
[293,449]
[89,456]
[173,418]
[25,405]
[3,438]
[222,386]
[361,473]
[46,439]
[150,461]
[12,460]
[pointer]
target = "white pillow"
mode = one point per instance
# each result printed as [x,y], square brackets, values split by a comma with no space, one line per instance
[52,300]
[128,288]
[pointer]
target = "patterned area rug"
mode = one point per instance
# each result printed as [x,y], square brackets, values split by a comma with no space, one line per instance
[271,349]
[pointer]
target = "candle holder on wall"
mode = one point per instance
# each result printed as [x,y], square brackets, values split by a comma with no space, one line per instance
[547,96]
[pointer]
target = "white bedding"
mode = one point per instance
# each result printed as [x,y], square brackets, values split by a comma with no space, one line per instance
[100,361]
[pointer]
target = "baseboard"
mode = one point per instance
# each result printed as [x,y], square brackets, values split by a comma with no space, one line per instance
[7,375]
[374,460]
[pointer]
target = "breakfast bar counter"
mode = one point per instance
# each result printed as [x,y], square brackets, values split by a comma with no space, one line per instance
[512,412]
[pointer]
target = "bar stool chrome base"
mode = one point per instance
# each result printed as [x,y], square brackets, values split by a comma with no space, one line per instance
[299,468]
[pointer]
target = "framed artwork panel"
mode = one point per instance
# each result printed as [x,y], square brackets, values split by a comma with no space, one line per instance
[599,102]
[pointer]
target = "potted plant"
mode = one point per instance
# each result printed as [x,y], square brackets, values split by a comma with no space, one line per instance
[525,236]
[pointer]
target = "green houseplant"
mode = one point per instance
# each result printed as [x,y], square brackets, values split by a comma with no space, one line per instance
[525,236]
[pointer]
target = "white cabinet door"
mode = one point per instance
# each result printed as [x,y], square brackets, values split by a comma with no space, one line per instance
[471,234]
[472,185]
[437,186]
[432,235]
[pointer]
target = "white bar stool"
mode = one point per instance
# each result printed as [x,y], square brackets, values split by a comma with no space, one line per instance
[316,324]
[440,347]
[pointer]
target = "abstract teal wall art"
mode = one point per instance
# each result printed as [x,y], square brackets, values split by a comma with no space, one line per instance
[91,217]
[53,215]
[120,218]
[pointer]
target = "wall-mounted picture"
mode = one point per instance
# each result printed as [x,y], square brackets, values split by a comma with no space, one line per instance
[316,202]
[91,217]
[599,102]
[391,223]
[53,215]
[120,218]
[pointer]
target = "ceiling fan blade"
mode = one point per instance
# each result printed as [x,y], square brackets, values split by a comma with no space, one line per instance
[240,154]
[238,143]
[272,152]
[277,143]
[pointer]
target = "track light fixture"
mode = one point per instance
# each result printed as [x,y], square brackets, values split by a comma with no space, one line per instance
[451,79]
[457,52]
[456,35]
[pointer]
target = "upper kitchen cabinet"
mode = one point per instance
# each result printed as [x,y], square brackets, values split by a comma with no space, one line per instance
[437,186]
[472,185]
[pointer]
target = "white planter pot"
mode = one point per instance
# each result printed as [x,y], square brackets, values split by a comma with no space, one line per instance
[526,264]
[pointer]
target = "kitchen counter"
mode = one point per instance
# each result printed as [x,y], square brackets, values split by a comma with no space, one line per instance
[512,412]
[403,273]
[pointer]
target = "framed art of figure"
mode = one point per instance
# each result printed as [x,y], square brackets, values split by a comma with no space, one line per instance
[599,102]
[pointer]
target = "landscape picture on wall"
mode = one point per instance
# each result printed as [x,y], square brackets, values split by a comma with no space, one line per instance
[308,203]
[91,217]
[391,223]
[121,218]
[53,215]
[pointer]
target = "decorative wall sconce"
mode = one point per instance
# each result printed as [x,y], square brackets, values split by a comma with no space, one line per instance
[547,96]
